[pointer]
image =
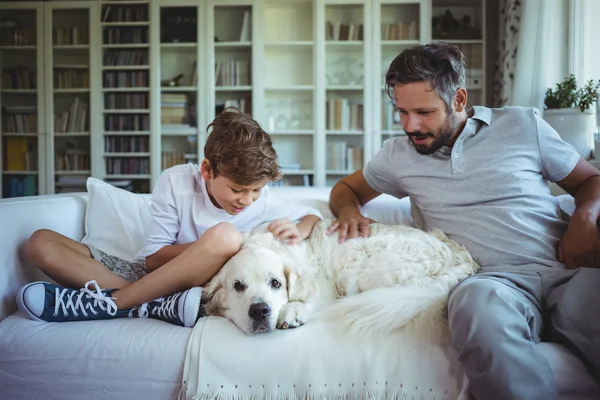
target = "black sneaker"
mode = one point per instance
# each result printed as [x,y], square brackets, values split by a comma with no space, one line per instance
[179,309]
[44,301]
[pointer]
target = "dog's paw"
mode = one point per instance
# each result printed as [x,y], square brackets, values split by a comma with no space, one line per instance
[292,315]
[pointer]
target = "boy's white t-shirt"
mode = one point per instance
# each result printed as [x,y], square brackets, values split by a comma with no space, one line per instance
[182,210]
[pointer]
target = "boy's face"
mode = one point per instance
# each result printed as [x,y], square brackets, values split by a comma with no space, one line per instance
[229,196]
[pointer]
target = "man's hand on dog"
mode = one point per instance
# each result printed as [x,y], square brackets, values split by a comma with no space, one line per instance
[350,224]
[285,231]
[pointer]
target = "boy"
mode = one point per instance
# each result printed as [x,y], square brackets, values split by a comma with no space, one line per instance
[197,215]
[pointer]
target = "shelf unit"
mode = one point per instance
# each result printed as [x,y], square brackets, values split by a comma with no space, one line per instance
[311,72]
[126,94]
[23,139]
[69,67]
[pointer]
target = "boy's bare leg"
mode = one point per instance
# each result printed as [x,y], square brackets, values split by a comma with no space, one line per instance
[67,261]
[194,267]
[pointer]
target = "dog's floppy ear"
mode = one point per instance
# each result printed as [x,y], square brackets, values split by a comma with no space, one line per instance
[300,275]
[212,298]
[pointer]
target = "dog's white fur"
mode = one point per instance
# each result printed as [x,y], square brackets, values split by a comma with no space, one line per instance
[371,285]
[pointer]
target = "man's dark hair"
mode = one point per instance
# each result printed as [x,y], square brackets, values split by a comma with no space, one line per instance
[440,64]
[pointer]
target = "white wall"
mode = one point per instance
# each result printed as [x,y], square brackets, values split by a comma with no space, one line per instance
[591,55]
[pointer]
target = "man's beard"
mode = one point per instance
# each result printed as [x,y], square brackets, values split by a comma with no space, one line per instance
[444,138]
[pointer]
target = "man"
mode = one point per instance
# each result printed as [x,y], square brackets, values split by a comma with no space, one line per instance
[480,175]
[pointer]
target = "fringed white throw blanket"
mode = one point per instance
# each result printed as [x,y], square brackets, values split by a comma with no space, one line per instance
[317,361]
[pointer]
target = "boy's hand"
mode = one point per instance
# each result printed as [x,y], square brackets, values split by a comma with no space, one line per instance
[285,230]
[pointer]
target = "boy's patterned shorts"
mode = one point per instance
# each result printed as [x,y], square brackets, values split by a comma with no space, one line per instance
[130,270]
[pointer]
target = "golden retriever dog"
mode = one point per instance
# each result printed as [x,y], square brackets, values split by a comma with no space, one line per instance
[375,284]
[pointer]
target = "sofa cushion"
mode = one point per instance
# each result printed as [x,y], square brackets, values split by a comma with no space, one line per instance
[116,220]
[112,359]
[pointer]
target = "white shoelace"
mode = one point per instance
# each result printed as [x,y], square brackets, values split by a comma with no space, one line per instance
[72,301]
[165,310]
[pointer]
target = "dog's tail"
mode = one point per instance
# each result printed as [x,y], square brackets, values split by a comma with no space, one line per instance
[386,310]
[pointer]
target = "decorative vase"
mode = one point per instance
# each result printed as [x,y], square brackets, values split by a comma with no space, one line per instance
[575,127]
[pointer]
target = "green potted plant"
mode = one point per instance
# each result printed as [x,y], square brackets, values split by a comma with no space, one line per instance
[571,111]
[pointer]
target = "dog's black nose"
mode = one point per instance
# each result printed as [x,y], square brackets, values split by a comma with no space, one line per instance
[259,311]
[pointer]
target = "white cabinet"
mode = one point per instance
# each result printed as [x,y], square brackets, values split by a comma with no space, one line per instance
[121,90]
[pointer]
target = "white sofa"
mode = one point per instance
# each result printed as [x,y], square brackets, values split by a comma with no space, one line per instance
[144,359]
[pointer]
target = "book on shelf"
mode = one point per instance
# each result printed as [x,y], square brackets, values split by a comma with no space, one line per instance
[18,186]
[72,159]
[137,101]
[19,119]
[124,123]
[11,34]
[245,31]
[21,154]
[344,115]
[115,58]
[337,30]
[173,109]
[125,13]
[71,77]
[244,105]
[399,30]
[232,73]
[127,166]
[74,120]
[19,78]
[342,157]
[128,79]
[125,35]
[67,36]
[126,144]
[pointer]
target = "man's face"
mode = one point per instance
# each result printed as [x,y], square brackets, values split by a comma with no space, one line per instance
[424,117]
[231,197]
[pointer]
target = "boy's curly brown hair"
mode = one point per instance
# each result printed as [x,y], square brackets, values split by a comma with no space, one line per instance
[240,150]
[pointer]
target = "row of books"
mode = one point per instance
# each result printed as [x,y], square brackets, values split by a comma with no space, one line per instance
[73,120]
[344,114]
[71,78]
[19,119]
[473,55]
[11,34]
[125,13]
[125,35]
[342,157]
[170,159]
[68,36]
[244,105]
[122,123]
[126,101]
[399,30]
[125,57]
[72,160]
[127,166]
[126,144]
[232,73]
[19,78]
[337,30]
[18,186]
[115,79]
[70,184]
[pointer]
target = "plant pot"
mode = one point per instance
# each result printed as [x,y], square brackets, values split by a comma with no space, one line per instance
[574,127]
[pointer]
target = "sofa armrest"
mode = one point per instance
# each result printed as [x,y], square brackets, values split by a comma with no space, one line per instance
[20,218]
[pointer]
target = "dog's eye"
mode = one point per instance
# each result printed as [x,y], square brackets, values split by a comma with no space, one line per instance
[275,284]
[239,286]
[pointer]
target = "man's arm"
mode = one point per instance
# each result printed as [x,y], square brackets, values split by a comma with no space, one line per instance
[345,200]
[580,246]
[164,255]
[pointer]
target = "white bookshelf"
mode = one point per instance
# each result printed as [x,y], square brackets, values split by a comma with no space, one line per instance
[123,153]
[22,99]
[71,108]
[316,90]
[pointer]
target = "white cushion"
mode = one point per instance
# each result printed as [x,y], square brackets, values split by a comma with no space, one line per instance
[116,220]
[92,360]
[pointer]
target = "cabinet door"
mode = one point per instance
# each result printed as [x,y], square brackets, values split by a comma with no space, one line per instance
[345,32]
[178,87]
[125,76]
[69,65]
[398,25]
[22,144]
[286,51]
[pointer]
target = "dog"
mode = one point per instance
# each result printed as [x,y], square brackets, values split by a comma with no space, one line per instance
[372,285]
